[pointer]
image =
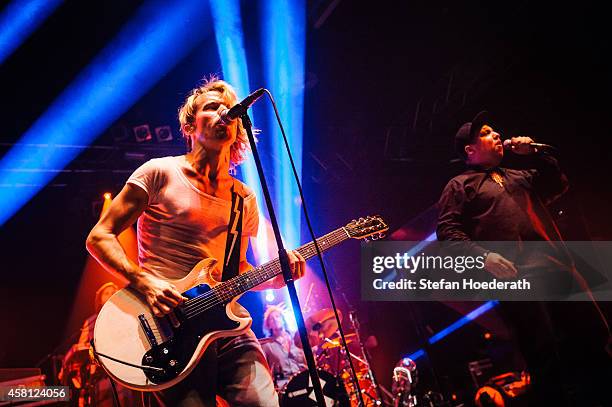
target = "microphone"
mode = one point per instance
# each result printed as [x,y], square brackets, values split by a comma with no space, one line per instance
[534,146]
[240,108]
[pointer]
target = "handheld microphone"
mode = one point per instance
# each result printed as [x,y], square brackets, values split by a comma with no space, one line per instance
[535,146]
[240,108]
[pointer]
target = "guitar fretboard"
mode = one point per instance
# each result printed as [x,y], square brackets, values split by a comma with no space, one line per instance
[228,290]
[260,274]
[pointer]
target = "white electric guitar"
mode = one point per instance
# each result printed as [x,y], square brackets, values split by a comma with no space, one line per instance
[147,353]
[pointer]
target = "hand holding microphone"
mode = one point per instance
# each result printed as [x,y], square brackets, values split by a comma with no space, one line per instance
[525,145]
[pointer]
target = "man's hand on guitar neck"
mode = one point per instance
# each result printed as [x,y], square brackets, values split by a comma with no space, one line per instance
[297,264]
[298,269]
[161,295]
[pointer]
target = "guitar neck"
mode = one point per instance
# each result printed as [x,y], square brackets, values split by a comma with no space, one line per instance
[260,274]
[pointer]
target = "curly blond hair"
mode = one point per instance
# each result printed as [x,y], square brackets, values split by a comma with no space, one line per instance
[187,113]
[270,309]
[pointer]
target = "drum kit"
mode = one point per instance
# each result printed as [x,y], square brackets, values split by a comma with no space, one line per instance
[332,359]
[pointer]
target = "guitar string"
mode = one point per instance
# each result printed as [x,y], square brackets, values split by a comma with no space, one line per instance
[225,292]
[307,248]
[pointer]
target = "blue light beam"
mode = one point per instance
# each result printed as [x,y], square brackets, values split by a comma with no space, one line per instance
[462,321]
[454,326]
[20,19]
[283,25]
[230,45]
[145,50]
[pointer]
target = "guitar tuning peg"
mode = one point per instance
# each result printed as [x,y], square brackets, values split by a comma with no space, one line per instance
[382,235]
[374,237]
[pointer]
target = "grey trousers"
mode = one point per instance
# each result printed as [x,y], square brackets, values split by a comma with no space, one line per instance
[233,368]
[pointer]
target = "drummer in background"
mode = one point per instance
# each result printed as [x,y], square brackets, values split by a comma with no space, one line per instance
[102,295]
[92,385]
[285,359]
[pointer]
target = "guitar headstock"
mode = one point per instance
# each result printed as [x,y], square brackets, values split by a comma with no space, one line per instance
[372,227]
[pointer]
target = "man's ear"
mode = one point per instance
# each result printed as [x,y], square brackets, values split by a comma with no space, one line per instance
[469,150]
[187,128]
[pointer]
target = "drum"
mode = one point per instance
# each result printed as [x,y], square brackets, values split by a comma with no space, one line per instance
[299,391]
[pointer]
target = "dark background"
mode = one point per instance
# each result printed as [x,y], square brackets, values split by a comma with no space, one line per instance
[387,85]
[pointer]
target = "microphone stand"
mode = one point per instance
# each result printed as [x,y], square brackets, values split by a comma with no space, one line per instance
[284,262]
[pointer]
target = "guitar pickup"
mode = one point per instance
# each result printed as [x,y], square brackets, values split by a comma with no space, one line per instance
[144,324]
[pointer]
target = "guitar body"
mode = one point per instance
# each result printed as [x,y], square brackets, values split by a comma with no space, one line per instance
[127,330]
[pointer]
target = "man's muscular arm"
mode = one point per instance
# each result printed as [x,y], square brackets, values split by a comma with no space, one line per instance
[104,245]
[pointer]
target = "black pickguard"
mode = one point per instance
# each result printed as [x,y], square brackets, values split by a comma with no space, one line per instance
[173,355]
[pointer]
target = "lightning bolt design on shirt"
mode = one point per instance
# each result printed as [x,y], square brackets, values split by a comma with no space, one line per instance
[233,230]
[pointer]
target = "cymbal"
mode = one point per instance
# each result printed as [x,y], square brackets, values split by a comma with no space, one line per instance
[330,344]
[323,323]
[320,324]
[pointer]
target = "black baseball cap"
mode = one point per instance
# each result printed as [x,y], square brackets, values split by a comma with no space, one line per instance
[468,131]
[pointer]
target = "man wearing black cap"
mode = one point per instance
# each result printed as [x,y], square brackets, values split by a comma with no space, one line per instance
[488,203]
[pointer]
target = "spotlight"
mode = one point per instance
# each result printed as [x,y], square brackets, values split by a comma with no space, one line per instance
[269,296]
[163,133]
[142,133]
[488,335]
[107,196]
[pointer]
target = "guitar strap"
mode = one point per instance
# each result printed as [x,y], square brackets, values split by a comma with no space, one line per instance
[231,260]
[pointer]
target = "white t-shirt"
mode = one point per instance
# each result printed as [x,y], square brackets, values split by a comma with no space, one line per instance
[181,224]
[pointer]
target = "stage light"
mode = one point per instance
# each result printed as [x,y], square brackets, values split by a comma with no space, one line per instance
[230,45]
[270,295]
[488,335]
[456,325]
[463,320]
[20,19]
[107,196]
[417,354]
[142,133]
[283,44]
[290,35]
[290,320]
[123,72]
[163,134]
